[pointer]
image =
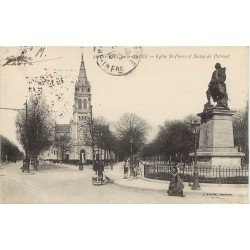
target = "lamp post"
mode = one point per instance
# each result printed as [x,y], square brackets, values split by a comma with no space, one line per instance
[131,140]
[92,134]
[100,135]
[35,162]
[26,139]
[195,125]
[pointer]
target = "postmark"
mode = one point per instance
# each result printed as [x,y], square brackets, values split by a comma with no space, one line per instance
[117,60]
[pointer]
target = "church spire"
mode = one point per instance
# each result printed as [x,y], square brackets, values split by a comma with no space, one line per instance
[82,95]
[82,79]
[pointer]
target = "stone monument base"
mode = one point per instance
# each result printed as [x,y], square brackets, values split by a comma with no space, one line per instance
[216,159]
[216,143]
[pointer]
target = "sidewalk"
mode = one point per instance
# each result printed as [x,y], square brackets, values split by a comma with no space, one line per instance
[4,163]
[207,189]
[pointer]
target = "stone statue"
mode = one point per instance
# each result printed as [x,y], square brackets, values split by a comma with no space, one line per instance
[217,88]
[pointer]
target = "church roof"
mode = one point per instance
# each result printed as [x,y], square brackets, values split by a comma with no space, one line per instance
[62,128]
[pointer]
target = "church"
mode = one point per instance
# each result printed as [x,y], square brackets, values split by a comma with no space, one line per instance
[80,150]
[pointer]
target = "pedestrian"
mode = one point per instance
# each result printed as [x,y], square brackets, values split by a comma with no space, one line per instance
[100,170]
[176,185]
[25,167]
[125,168]
[137,163]
[96,164]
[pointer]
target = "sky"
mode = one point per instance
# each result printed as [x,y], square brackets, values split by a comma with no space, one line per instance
[167,83]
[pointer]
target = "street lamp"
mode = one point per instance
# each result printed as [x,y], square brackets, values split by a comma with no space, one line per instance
[195,125]
[131,140]
[92,133]
[36,150]
[100,136]
[26,139]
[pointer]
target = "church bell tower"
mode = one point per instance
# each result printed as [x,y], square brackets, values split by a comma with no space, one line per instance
[82,106]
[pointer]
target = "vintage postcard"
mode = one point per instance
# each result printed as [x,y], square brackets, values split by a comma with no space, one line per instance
[118,125]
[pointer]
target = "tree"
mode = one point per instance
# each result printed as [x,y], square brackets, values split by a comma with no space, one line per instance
[240,127]
[173,142]
[131,125]
[98,135]
[36,131]
[62,144]
[9,151]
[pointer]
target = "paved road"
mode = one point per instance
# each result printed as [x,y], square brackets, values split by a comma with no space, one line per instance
[55,183]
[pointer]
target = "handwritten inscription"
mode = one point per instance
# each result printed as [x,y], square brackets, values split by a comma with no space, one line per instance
[28,56]
[40,52]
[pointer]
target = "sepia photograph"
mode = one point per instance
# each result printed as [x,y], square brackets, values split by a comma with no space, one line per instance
[124,125]
[141,145]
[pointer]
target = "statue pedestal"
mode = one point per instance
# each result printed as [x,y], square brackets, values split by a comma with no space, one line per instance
[216,144]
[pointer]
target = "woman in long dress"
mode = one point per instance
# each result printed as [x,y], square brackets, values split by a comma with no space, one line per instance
[176,185]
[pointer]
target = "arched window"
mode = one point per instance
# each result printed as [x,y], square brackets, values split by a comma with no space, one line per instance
[80,104]
[84,103]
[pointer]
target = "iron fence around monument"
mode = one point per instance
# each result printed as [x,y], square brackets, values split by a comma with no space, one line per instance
[224,175]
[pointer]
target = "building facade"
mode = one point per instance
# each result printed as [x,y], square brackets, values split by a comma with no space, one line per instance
[79,127]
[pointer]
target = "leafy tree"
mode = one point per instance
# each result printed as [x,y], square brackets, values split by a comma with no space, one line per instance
[240,127]
[130,126]
[62,144]
[9,151]
[36,133]
[98,135]
[173,142]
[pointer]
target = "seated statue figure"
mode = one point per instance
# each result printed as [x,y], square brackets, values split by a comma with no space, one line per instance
[217,88]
